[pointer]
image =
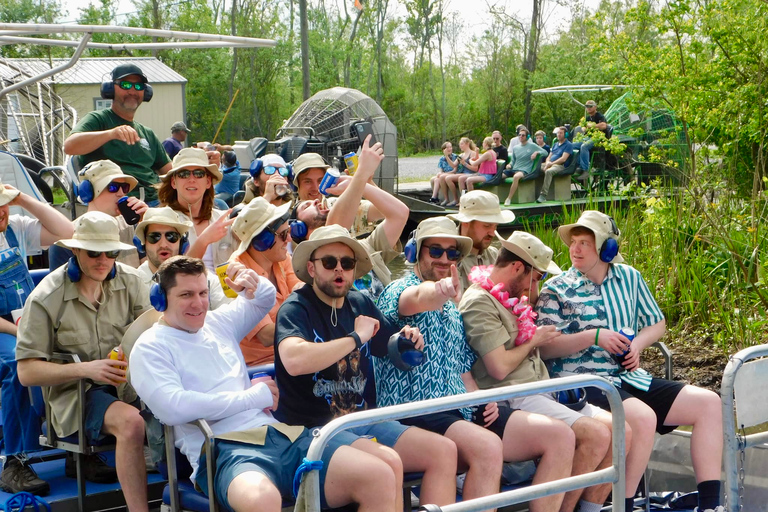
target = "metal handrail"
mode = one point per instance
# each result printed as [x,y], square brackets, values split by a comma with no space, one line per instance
[731,442]
[614,474]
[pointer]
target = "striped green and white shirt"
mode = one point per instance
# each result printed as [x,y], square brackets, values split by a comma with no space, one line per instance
[621,300]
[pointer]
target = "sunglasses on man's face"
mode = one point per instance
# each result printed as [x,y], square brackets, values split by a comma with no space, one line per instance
[269,170]
[127,85]
[96,254]
[197,173]
[436,252]
[330,262]
[155,236]
[114,186]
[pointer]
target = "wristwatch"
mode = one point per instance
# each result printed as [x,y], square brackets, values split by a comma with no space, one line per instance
[358,341]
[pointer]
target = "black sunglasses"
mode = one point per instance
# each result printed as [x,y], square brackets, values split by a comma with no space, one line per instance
[114,186]
[197,173]
[330,262]
[110,254]
[155,236]
[127,85]
[436,252]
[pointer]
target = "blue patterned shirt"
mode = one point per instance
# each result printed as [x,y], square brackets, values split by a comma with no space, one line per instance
[447,353]
[444,165]
[622,300]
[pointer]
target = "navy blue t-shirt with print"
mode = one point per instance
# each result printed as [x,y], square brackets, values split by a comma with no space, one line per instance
[346,386]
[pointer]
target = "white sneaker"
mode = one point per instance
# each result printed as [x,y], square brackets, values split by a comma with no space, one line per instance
[507,202]
[719,508]
[460,482]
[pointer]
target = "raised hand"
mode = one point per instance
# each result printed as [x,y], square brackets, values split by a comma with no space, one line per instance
[370,158]
[245,279]
[217,229]
[450,287]
[366,327]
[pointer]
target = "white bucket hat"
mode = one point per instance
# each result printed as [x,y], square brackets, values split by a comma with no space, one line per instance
[441,227]
[95,231]
[102,172]
[166,216]
[193,158]
[532,250]
[328,235]
[255,218]
[602,225]
[481,206]
[305,162]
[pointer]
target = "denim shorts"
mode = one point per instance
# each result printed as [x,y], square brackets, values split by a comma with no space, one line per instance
[277,459]
[386,433]
[97,400]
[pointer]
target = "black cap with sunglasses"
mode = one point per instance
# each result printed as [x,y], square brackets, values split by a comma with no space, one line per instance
[125,70]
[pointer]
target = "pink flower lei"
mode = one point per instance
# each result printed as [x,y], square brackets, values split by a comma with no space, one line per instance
[526,325]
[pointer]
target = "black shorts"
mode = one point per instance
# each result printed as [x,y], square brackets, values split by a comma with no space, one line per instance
[500,423]
[438,422]
[659,398]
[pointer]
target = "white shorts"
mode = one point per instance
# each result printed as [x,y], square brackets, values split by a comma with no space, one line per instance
[546,405]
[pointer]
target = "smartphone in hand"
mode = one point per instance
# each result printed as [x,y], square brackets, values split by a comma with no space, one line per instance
[363,129]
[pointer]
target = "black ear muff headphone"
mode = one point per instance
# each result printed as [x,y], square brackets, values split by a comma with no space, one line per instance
[108,91]
[74,273]
[409,251]
[610,247]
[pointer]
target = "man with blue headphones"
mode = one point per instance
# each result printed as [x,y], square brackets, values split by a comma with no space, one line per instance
[112,133]
[84,308]
[611,316]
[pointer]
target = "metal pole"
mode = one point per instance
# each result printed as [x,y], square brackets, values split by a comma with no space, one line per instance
[234,97]
[7,39]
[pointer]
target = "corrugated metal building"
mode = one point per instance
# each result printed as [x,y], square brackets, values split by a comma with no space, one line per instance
[79,87]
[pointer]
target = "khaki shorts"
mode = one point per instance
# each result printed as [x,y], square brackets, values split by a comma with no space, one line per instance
[547,406]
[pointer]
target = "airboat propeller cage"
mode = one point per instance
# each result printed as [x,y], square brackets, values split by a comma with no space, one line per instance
[326,123]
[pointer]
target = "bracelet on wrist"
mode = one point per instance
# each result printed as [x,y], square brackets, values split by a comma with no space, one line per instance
[358,341]
[597,335]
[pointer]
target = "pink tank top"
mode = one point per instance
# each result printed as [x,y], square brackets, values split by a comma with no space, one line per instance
[488,166]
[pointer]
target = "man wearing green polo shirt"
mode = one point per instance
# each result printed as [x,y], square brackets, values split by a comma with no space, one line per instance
[112,134]
[611,318]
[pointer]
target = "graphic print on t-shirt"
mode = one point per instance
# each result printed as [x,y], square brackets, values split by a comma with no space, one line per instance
[342,385]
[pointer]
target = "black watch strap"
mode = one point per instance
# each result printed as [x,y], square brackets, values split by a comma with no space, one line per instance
[358,341]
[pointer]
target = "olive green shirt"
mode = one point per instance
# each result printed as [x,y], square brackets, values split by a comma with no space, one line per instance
[57,318]
[487,257]
[381,253]
[488,326]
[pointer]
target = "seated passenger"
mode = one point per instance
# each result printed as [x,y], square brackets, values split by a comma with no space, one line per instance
[498,146]
[600,296]
[84,308]
[230,170]
[507,344]
[556,162]
[486,167]
[162,235]
[264,236]
[540,137]
[514,142]
[468,152]
[521,165]
[425,298]
[189,366]
[102,184]
[594,121]
[269,179]
[20,236]
[447,165]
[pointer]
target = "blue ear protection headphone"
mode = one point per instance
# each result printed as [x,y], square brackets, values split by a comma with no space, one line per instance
[84,190]
[299,231]
[610,247]
[255,168]
[574,399]
[108,91]
[74,273]
[265,240]
[409,251]
[157,297]
[402,353]
[183,244]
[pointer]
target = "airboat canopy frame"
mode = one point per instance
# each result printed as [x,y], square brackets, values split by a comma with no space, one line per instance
[577,88]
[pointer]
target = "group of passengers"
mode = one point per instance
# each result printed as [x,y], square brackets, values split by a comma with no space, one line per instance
[305,288]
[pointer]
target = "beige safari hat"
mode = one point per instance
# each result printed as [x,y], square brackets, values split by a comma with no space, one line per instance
[95,231]
[602,225]
[255,218]
[102,172]
[328,235]
[305,162]
[481,206]
[193,158]
[441,227]
[166,216]
[532,250]
[7,194]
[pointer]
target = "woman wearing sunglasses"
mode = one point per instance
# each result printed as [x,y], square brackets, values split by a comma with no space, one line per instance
[269,179]
[188,189]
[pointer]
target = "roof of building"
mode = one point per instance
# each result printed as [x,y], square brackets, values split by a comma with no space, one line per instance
[90,70]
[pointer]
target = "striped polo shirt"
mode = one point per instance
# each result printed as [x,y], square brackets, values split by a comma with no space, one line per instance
[621,300]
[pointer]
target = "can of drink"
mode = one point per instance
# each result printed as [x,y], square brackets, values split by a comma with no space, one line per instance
[257,377]
[630,335]
[351,160]
[221,271]
[329,180]
[114,354]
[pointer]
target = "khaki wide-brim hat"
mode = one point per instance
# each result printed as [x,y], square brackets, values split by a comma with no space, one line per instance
[441,227]
[166,216]
[602,225]
[193,158]
[7,195]
[102,172]
[532,250]
[305,162]
[95,231]
[255,218]
[329,235]
[481,206]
